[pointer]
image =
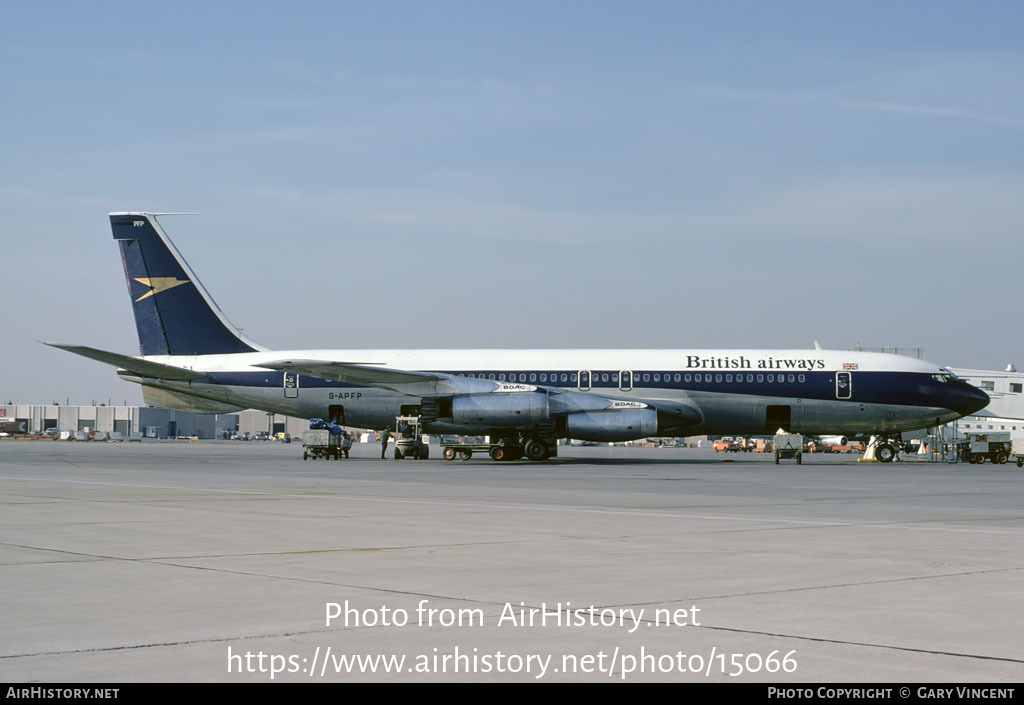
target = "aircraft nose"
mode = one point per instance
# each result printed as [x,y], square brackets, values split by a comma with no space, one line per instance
[969,399]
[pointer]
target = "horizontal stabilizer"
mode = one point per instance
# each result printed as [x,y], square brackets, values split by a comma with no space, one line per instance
[132,364]
[352,373]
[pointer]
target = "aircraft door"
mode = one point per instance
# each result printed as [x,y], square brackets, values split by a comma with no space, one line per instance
[625,380]
[844,385]
[290,382]
[584,380]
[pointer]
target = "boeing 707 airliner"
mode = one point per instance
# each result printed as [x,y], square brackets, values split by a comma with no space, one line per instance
[192,358]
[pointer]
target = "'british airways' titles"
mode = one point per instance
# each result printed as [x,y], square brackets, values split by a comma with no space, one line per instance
[696,362]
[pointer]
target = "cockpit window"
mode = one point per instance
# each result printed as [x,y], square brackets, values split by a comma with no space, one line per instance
[949,373]
[944,378]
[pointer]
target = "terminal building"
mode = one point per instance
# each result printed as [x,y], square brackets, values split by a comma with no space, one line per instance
[133,422]
[127,421]
[1006,410]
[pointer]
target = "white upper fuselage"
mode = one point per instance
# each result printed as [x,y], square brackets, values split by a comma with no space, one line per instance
[581,359]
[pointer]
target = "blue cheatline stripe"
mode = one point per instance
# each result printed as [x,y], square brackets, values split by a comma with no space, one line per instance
[902,388]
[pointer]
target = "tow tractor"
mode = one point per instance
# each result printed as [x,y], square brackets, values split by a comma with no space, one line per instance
[980,447]
[409,439]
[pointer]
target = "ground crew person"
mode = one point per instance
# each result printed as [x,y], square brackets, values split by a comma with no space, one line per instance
[384,436]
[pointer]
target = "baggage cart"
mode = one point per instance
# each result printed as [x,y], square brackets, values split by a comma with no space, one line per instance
[321,443]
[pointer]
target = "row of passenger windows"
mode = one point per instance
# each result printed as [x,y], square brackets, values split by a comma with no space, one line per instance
[638,377]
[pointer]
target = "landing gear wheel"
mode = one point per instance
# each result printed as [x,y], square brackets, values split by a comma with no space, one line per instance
[535,450]
[449,454]
[885,453]
[497,453]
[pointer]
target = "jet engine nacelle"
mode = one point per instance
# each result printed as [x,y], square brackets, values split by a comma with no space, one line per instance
[500,410]
[616,425]
[833,440]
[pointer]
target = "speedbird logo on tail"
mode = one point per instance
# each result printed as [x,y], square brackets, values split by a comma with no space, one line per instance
[158,284]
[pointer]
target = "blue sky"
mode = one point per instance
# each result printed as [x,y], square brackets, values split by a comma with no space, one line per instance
[558,174]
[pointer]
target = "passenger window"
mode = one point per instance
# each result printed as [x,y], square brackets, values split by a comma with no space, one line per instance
[792,378]
[657,378]
[679,377]
[771,378]
[718,378]
[491,376]
[750,378]
[801,379]
[728,378]
[533,378]
[647,378]
[687,378]
[615,377]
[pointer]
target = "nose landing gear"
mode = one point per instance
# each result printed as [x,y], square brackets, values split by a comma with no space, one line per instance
[883,448]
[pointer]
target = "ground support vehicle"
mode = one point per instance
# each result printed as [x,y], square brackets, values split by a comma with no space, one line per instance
[409,440]
[789,446]
[504,449]
[980,447]
[321,443]
[1017,448]
[464,451]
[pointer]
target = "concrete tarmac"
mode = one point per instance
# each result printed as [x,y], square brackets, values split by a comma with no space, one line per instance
[220,561]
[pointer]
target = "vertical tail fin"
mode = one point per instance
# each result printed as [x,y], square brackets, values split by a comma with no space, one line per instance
[173,312]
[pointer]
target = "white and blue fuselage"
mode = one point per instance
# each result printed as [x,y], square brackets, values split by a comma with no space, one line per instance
[193,358]
[736,391]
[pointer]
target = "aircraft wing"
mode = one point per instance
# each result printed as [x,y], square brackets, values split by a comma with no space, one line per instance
[428,384]
[353,372]
[144,368]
